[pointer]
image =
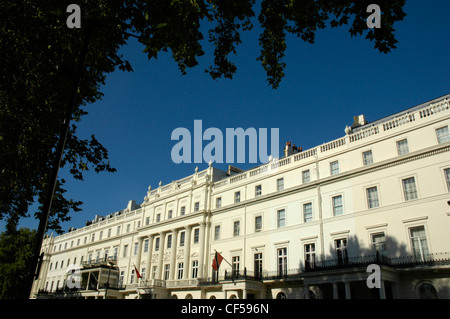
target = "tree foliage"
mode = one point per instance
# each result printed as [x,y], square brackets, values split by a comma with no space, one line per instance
[15,254]
[39,53]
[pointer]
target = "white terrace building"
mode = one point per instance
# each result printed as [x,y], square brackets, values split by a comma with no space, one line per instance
[304,226]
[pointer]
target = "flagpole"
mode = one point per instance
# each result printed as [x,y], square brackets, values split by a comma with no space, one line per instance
[138,274]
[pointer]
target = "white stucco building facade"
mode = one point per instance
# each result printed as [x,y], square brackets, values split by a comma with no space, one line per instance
[306,225]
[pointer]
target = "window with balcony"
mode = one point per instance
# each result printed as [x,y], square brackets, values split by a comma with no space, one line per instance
[341,251]
[310,256]
[419,243]
[180,270]
[235,260]
[258,264]
[194,269]
[379,244]
[132,276]
[282,262]
[166,271]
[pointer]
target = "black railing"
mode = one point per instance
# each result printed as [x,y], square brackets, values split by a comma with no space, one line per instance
[262,275]
[104,261]
[436,259]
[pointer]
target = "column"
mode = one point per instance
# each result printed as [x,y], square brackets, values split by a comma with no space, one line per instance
[307,292]
[173,255]
[159,271]
[348,294]
[244,294]
[187,251]
[382,291]
[149,257]
[335,291]
[201,261]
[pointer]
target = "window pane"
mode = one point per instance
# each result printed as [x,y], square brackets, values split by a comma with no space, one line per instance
[280,184]
[409,188]
[334,168]
[258,223]
[402,147]
[258,190]
[236,228]
[306,176]
[337,205]
[367,158]
[217,232]
[281,218]
[443,134]
[307,212]
[419,242]
[237,197]
[372,197]
[379,243]
[447,177]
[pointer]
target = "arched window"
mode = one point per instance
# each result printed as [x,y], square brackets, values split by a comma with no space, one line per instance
[188,296]
[281,295]
[427,291]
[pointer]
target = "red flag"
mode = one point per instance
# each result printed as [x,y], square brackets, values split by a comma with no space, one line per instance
[137,272]
[217,260]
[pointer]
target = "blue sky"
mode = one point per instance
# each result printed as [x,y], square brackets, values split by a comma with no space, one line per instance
[325,85]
